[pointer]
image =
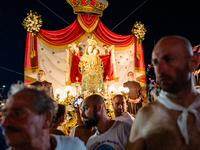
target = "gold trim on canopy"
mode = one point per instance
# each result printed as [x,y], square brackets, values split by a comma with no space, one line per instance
[115,73]
[68,68]
[31,70]
[116,48]
[30,78]
[88,28]
[138,79]
[139,70]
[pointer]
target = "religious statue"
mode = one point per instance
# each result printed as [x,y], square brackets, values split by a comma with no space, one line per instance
[76,48]
[107,49]
[91,68]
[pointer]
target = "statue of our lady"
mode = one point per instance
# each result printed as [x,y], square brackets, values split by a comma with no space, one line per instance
[91,68]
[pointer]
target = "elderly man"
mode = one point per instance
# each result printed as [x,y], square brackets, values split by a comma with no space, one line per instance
[173,121]
[28,115]
[119,106]
[41,82]
[110,134]
[136,94]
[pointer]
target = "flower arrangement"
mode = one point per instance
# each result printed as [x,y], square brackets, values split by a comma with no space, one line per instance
[32,23]
[139,31]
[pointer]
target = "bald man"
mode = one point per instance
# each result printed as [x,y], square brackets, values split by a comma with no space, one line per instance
[173,121]
[110,134]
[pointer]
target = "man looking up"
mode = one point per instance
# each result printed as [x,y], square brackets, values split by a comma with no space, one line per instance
[173,121]
[119,106]
[110,134]
[41,82]
[28,115]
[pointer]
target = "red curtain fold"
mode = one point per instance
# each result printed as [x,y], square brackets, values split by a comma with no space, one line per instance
[74,32]
[139,62]
[74,68]
[110,38]
[108,67]
[64,36]
[88,20]
[31,64]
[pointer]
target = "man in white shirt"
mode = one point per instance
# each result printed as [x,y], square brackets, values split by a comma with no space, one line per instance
[119,106]
[110,134]
[28,115]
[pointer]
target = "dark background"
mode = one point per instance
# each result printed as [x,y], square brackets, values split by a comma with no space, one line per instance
[160,17]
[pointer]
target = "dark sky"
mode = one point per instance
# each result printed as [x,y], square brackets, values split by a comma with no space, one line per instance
[160,17]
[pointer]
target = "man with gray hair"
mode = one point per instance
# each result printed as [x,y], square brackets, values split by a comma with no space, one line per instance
[28,115]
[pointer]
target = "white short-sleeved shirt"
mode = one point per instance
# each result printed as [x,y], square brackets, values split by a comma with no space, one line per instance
[115,138]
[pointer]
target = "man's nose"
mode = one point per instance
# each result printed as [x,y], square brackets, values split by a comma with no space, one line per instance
[6,121]
[82,113]
[120,106]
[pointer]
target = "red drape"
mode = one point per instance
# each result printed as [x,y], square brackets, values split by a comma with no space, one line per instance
[64,36]
[74,32]
[31,64]
[108,37]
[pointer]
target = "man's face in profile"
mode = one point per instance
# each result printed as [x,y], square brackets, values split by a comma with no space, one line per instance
[89,114]
[21,124]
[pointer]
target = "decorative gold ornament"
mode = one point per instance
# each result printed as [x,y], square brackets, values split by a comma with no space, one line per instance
[91,42]
[93,7]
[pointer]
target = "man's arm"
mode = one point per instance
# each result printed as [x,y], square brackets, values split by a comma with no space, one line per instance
[51,91]
[137,135]
[141,92]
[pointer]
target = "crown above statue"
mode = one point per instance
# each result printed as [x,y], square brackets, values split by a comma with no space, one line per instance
[91,42]
[93,7]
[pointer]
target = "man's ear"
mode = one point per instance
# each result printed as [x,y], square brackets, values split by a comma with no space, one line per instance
[194,62]
[99,107]
[48,119]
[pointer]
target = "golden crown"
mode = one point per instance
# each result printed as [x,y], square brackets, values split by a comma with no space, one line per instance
[91,42]
[93,7]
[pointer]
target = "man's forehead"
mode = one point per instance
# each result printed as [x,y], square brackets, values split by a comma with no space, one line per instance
[118,99]
[163,51]
[20,99]
[41,72]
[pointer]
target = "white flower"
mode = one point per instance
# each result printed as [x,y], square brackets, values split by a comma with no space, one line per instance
[32,22]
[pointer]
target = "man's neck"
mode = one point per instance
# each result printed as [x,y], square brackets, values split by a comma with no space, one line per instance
[41,80]
[45,144]
[103,126]
[116,115]
[131,80]
[184,98]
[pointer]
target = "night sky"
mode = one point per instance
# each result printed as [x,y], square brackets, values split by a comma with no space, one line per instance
[160,17]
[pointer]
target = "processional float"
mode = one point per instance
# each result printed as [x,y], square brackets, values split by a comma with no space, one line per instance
[85,54]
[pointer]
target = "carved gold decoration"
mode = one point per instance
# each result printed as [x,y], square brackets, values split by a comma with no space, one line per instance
[86,6]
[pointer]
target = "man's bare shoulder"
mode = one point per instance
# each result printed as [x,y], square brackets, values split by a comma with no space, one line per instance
[81,130]
[150,109]
[148,117]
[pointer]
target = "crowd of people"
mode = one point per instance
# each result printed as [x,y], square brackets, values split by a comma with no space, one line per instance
[170,121]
